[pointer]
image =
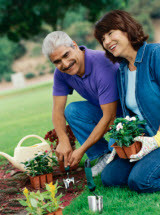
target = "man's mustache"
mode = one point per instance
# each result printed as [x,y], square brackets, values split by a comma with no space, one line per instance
[71,64]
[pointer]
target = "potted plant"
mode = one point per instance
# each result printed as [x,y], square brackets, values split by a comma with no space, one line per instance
[47,202]
[124,130]
[53,138]
[40,169]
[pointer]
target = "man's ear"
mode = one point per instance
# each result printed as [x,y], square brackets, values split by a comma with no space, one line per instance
[75,45]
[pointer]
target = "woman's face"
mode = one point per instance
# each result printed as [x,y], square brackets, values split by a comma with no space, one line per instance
[116,42]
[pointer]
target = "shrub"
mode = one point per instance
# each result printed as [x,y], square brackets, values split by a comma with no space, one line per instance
[82,33]
[51,71]
[36,51]
[41,73]
[9,51]
[30,75]
[7,77]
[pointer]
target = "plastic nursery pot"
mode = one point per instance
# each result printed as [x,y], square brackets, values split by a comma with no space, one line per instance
[39,181]
[125,152]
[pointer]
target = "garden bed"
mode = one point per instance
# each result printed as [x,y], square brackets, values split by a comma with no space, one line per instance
[12,182]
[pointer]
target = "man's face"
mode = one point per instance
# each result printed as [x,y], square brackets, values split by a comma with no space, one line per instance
[68,60]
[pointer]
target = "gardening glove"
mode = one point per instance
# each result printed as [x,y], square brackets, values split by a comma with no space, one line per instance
[148,144]
[111,157]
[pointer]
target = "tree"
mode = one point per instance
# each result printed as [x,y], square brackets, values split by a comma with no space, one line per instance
[24,18]
[142,11]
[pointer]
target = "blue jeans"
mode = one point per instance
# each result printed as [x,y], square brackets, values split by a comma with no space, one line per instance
[142,176]
[82,117]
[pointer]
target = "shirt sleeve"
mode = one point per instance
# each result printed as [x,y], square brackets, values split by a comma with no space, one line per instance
[155,64]
[60,86]
[107,85]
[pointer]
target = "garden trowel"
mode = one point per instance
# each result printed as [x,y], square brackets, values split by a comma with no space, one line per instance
[68,180]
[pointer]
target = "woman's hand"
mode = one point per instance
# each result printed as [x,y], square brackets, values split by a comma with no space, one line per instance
[148,145]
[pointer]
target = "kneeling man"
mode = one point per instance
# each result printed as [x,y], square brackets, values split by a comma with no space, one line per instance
[93,76]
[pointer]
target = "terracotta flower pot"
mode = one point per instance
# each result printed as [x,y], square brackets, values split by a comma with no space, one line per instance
[58,212]
[125,152]
[132,149]
[43,180]
[39,181]
[35,182]
[49,177]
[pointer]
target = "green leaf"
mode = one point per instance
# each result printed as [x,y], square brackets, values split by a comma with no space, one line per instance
[23,203]
[33,202]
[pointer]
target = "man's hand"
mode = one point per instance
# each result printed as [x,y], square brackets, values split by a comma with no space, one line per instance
[76,157]
[111,157]
[148,144]
[64,152]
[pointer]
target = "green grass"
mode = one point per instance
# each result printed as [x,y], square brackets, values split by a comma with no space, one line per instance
[117,201]
[23,112]
[28,111]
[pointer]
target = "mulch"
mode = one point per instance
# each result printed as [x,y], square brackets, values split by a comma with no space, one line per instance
[12,183]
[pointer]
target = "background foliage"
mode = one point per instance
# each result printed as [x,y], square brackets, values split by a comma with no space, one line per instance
[33,20]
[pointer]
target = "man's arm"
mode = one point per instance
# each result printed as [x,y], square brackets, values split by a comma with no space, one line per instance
[109,114]
[64,148]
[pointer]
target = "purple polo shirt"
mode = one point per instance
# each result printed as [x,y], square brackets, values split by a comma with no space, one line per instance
[97,85]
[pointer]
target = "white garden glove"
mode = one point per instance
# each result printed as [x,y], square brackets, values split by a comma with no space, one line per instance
[148,144]
[111,157]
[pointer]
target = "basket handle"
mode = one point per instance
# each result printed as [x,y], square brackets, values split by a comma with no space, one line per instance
[28,136]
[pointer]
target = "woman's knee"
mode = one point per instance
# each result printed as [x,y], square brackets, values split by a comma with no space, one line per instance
[139,184]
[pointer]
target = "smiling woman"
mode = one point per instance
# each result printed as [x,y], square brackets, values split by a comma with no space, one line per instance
[123,22]
[138,81]
[117,43]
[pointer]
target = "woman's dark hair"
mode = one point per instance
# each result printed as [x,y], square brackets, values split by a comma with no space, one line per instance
[123,21]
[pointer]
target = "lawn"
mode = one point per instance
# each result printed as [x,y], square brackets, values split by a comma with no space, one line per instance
[28,111]
[23,112]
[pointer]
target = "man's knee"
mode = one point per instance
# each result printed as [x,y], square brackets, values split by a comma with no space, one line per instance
[70,111]
[105,180]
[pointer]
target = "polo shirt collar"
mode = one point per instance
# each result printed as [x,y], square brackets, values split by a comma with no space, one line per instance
[88,65]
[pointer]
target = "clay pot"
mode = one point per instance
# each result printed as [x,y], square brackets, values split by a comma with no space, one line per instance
[35,182]
[39,181]
[58,212]
[125,152]
[49,177]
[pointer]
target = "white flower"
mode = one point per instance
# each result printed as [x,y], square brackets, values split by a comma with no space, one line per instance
[119,126]
[39,153]
[127,118]
[133,118]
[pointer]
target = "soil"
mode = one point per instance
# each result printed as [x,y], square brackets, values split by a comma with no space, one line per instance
[12,183]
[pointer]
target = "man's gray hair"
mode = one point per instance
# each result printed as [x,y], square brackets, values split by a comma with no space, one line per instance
[54,40]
